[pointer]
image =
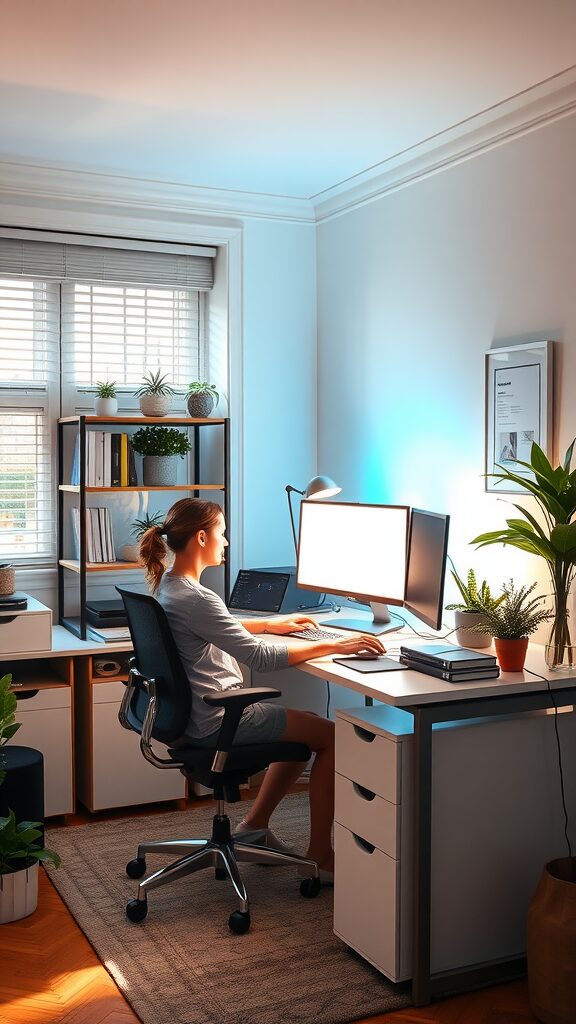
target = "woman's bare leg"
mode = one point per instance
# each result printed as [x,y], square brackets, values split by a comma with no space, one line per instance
[318,734]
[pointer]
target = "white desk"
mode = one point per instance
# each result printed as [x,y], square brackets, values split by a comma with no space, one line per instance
[430,701]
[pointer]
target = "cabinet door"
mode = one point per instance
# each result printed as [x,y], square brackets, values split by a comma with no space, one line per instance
[121,775]
[50,731]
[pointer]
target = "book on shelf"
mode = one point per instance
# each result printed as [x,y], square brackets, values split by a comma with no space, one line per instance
[447,656]
[99,535]
[115,443]
[451,675]
[108,634]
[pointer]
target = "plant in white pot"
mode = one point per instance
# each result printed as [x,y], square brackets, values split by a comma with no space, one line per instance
[469,612]
[131,552]
[201,399]
[161,448]
[21,846]
[106,402]
[155,394]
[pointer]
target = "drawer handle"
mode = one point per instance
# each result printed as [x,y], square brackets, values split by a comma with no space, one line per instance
[363,844]
[363,734]
[25,694]
[366,794]
[5,619]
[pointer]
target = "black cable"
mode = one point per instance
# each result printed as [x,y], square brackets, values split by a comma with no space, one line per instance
[553,699]
[327,699]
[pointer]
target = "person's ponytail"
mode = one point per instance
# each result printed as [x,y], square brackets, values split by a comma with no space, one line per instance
[152,554]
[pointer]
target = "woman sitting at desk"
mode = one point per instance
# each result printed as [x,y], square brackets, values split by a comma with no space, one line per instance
[210,641]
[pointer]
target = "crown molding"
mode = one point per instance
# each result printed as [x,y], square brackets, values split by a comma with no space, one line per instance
[25,184]
[529,110]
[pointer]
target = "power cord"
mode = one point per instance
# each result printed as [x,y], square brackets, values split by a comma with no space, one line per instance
[327,699]
[553,699]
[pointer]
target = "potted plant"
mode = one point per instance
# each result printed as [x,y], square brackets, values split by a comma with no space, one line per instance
[155,394]
[131,552]
[510,622]
[21,845]
[552,538]
[201,399]
[470,611]
[106,402]
[161,448]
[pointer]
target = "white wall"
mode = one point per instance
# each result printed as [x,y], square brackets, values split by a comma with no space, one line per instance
[413,288]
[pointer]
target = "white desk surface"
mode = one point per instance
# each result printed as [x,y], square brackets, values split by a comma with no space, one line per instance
[65,643]
[406,687]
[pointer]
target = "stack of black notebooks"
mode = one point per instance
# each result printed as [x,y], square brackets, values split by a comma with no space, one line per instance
[455,664]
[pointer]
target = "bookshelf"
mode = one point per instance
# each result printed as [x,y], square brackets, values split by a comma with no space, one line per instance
[73,434]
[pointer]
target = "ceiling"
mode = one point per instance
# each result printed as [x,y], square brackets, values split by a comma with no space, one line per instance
[278,97]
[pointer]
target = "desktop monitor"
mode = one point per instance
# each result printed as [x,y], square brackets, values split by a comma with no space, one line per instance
[355,550]
[427,550]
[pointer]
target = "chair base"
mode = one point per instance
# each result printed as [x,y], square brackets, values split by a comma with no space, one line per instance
[221,852]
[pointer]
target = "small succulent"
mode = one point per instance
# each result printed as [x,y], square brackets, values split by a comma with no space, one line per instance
[139,526]
[197,386]
[154,384]
[161,441]
[106,389]
[516,617]
[474,599]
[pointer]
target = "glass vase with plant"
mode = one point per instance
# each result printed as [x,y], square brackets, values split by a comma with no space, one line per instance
[551,537]
[161,448]
[155,394]
[201,398]
[511,622]
[469,612]
[106,401]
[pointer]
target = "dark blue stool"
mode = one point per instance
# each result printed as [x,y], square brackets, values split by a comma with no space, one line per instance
[23,788]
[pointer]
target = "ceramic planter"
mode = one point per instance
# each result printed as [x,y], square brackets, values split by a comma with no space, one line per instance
[200,404]
[105,406]
[511,654]
[18,894]
[130,552]
[161,470]
[155,405]
[465,635]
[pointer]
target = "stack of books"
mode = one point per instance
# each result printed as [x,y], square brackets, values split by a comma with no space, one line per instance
[99,535]
[447,661]
[109,460]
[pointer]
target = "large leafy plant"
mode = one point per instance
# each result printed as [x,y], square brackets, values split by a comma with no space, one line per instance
[553,537]
[474,598]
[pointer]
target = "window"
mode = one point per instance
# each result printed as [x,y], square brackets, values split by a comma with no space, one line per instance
[70,315]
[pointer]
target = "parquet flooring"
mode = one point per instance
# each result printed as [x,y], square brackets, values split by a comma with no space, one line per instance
[49,974]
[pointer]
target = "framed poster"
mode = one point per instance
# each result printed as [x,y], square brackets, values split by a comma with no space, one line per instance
[518,409]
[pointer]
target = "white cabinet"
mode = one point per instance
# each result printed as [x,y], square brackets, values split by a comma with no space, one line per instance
[44,693]
[111,770]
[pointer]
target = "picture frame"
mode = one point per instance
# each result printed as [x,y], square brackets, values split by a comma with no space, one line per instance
[518,409]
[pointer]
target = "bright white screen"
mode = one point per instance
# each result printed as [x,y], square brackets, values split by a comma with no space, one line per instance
[353,549]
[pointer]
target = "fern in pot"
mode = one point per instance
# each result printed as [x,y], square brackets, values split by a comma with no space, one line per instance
[469,612]
[511,621]
[161,448]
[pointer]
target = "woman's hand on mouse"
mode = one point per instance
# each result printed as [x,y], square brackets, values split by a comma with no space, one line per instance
[354,644]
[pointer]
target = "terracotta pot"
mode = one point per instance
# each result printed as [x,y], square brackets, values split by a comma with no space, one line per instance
[511,654]
[552,944]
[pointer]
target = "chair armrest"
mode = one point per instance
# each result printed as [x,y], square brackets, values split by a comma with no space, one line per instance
[234,703]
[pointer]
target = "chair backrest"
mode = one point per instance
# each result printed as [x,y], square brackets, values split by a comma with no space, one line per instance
[157,658]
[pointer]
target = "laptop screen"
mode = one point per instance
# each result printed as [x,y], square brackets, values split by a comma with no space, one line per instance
[259,591]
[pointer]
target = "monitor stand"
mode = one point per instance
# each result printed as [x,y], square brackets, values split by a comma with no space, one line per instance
[382,622]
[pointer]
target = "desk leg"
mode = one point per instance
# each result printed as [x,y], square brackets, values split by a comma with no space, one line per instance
[422,889]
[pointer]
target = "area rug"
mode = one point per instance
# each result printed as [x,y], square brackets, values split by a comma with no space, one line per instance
[182,965]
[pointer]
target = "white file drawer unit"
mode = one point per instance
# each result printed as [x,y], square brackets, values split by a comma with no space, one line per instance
[26,631]
[371,836]
[497,818]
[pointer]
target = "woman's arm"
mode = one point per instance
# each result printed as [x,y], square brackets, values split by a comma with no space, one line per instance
[303,650]
[281,627]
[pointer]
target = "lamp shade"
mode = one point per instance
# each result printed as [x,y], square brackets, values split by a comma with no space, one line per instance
[321,487]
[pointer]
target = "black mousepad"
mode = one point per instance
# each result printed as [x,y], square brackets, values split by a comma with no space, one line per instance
[381,664]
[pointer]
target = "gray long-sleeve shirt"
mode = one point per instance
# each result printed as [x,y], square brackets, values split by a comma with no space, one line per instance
[209,640]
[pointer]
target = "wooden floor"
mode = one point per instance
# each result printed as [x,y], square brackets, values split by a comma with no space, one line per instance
[49,974]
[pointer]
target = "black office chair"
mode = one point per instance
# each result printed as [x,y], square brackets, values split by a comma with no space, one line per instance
[157,704]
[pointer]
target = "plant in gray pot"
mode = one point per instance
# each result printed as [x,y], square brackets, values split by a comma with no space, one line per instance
[21,845]
[201,399]
[471,611]
[155,394]
[161,448]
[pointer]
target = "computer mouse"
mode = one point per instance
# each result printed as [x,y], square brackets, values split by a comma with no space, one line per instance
[367,655]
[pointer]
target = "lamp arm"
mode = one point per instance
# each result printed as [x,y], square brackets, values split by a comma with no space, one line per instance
[289,490]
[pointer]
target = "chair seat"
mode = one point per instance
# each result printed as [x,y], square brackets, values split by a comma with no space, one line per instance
[249,758]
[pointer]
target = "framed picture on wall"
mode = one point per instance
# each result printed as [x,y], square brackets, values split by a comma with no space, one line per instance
[518,381]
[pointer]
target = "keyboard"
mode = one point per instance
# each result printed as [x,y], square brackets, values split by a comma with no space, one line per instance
[316,634]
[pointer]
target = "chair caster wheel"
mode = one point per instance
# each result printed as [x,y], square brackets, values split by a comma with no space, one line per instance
[309,887]
[136,910]
[220,874]
[238,922]
[136,868]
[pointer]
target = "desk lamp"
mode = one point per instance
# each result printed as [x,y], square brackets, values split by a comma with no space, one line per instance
[318,487]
